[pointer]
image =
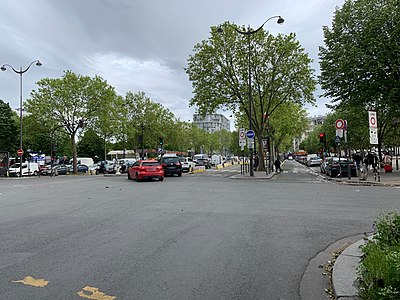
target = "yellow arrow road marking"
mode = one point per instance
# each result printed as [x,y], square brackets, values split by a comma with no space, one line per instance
[32,281]
[94,294]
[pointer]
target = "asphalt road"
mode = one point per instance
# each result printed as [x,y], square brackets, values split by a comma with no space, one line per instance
[201,236]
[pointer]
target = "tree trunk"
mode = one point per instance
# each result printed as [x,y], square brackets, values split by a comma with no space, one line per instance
[74,154]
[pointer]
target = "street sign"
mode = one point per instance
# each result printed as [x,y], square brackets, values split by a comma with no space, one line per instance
[373,123]
[250,134]
[265,143]
[337,140]
[20,152]
[250,142]
[339,124]
[242,134]
[339,133]
[373,136]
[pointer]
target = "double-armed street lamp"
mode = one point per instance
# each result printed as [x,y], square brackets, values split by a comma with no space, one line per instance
[249,32]
[20,72]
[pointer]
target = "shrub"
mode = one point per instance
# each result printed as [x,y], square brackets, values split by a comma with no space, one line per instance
[379,268]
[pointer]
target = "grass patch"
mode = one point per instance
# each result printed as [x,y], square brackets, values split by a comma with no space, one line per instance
[379,268]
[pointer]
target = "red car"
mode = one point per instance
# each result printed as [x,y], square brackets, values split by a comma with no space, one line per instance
[146,169]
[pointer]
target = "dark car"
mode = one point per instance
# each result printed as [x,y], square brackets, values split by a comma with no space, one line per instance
[334,168]
[203,162]
[171,165]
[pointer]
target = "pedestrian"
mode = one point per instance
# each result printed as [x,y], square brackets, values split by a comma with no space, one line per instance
[387,163]
[278,165]
[370,161]
[357,158]
[256,161]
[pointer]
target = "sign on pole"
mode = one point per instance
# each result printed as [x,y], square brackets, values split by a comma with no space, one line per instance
[339,124]
[373,136]
[373,127]
[20,152]
[242,137]
[250,142]
[373,122]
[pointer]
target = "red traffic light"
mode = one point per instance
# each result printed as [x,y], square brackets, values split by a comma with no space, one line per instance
[322,137]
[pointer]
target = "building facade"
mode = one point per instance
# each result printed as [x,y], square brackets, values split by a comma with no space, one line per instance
[212,122]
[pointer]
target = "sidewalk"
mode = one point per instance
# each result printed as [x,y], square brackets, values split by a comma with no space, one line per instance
[258,175]
[378,179]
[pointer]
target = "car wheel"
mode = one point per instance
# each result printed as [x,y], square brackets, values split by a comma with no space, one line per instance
[161,178]
[180,174]
[18,174]
[129,176]
[35,173]
[136,177]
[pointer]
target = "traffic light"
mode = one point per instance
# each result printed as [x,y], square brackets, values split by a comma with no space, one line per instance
[322,138]
[160,140]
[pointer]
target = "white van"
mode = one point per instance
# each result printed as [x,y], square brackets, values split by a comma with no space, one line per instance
[87,161]
[28,168]
[197,156]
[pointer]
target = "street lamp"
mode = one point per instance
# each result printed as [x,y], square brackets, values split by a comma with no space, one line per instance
[20,72]
[249,32]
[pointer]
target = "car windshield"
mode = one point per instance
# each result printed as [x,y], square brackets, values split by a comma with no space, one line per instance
[15,166]
[170,159]
[150,163]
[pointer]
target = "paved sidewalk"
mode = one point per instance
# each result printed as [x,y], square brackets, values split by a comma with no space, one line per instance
[377,179]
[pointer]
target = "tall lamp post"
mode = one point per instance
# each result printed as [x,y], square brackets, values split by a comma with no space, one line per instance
[20,72]
[249,32]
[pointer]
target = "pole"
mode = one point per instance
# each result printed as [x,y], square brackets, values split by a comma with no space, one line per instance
[20,119]
[142,141]
[250,100]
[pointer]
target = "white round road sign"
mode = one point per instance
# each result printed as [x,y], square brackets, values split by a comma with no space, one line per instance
[339,124]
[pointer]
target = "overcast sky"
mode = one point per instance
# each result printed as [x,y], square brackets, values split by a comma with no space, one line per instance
[139,45]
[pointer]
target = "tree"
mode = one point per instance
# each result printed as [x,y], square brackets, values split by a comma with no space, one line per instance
[70,103]
[280,71]
[360,62]
[156,121]
[90,145]
[9,130]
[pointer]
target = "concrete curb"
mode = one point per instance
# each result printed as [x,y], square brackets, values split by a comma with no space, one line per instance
[344,273]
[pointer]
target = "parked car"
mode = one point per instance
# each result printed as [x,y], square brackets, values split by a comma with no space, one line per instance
[314,161]
[125,164]
[79,168]
[28,168]
[111,167]
[94,169]
[61,169]
[187,164]
[146,169]
[171,165]
[334,167]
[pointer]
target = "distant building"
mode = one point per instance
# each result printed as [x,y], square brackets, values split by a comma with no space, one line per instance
[212,123]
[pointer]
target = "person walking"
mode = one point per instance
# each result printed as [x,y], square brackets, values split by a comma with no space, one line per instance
[278,165]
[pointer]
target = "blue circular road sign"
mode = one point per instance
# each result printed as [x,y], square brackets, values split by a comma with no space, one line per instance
[250,134]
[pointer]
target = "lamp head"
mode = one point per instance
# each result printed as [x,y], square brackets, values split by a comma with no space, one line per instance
[38,63]
[3,68]
[280,20]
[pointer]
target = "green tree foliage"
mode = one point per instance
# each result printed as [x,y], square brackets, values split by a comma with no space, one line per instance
[70,102]
[9,129]
[156,120]
[360,62]
[91,145]
[280,71]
